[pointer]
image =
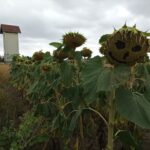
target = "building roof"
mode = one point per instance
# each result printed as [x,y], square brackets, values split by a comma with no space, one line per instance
[9,28]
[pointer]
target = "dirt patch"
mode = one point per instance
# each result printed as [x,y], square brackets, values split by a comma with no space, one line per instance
[11,103]
[4,72]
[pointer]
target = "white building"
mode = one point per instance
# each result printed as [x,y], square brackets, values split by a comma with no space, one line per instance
[10,41]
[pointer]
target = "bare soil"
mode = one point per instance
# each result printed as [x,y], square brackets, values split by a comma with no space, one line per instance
[4,72]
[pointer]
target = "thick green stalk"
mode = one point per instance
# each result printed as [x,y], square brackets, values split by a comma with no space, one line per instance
[111,120]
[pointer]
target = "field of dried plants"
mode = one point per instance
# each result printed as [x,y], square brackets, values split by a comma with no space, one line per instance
[4,72]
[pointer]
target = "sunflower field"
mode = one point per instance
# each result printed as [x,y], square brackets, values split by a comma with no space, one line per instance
[79,102]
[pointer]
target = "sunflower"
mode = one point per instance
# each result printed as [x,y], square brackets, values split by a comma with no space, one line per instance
[38,56]
[86,52]
[127,45]
[73,40]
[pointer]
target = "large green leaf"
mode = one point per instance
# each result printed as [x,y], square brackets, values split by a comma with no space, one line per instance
[128,139]
[104,38]
[90,75]
[111,78]
[134,106]
[147,82]
[66,73]
[121,73]
[74,94]
[142,71]
[144,75]
[97,78]
[147,92]
[78,56]
[56,44]
[104,80]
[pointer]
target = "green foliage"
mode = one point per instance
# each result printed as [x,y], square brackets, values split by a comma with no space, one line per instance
[128,139]
[29,132]
[98,78]
[6,137]
[66,73]
[56,44]
[104,38]
[74,119]
[133,106]
[72,95]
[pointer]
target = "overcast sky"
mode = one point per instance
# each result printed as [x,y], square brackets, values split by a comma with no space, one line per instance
[45,21]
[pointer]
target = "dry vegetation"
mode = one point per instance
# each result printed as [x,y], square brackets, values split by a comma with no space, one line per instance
[4,72]
[11,104]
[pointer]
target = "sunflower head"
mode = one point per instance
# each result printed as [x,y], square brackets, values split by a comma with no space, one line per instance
[73,39]
[127,45]
[38,56]
[45,67]
[59,54]
[28,62]
[86,52]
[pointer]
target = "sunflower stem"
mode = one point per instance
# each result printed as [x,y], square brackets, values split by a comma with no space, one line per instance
[111,120]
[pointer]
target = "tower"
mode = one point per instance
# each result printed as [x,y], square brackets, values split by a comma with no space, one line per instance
[10,41]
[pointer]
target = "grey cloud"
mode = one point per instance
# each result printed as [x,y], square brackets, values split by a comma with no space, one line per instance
[139,7]
[45,21]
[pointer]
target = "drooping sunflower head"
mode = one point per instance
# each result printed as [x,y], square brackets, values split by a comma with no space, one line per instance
[38,56]
[45,67]
[59,54]
[86,52]
[73,39]
[127,45]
